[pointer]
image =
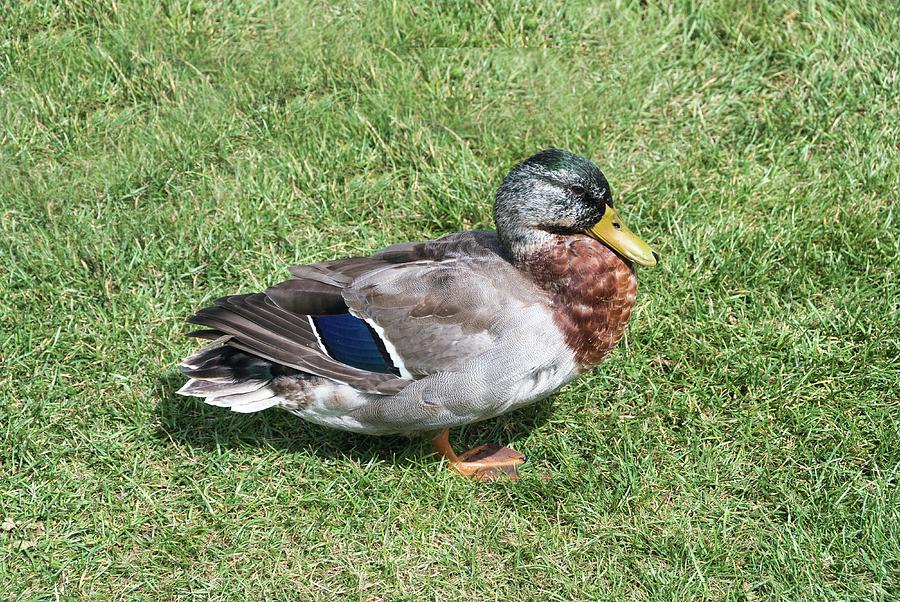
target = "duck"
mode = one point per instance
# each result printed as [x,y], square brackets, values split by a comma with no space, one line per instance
[422,337]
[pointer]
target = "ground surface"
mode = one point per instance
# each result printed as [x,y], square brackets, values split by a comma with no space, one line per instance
[741,444]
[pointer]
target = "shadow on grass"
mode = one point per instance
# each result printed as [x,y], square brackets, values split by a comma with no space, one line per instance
[188,421]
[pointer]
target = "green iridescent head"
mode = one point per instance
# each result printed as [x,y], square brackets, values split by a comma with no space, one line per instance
[557,192]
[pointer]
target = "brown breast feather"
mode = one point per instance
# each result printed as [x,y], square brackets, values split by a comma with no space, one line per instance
[592,289]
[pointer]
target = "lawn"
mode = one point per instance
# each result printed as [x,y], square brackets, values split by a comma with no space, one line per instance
[743,441]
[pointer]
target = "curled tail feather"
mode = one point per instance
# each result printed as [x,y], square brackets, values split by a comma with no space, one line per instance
[227,377]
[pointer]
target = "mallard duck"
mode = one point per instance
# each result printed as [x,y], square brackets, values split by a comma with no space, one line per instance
[422,337]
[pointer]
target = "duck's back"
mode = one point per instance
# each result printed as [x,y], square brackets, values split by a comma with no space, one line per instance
[442,302]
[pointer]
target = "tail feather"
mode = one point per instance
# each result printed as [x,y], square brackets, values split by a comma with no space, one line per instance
[239,399]
[204,388]
[248,402]
[228,377]
[219,361]
[256,406]
[203,356]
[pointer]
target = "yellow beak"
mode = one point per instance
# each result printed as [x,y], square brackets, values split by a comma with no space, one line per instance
[611,231]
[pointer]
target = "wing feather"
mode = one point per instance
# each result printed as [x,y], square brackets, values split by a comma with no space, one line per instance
[444,301]
[435,304]
[261,333]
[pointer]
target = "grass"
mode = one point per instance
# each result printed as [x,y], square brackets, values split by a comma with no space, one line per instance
[741,444]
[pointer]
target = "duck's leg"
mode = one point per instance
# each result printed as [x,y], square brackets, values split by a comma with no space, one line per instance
[485,462]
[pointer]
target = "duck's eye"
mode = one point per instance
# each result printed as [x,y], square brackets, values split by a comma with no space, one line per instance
[576,190]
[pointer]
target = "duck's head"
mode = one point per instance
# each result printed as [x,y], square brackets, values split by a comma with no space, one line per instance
[556,193]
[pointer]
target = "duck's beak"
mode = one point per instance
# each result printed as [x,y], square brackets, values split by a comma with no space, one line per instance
[611,231]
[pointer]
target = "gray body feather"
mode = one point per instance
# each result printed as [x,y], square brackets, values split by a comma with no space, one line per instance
[472,336]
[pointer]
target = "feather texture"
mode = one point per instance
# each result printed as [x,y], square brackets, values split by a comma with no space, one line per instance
[350,340]
[259,327]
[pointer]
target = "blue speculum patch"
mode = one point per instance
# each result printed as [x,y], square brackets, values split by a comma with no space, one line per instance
[353,342]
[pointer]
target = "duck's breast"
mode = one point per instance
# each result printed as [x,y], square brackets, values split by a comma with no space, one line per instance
[593,292]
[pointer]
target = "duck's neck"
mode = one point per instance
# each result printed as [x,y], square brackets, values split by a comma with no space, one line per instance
[592,291]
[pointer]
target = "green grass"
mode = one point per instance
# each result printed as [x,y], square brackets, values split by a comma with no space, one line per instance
[743,443]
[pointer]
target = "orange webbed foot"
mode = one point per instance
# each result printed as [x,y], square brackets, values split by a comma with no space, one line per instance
[482,463]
